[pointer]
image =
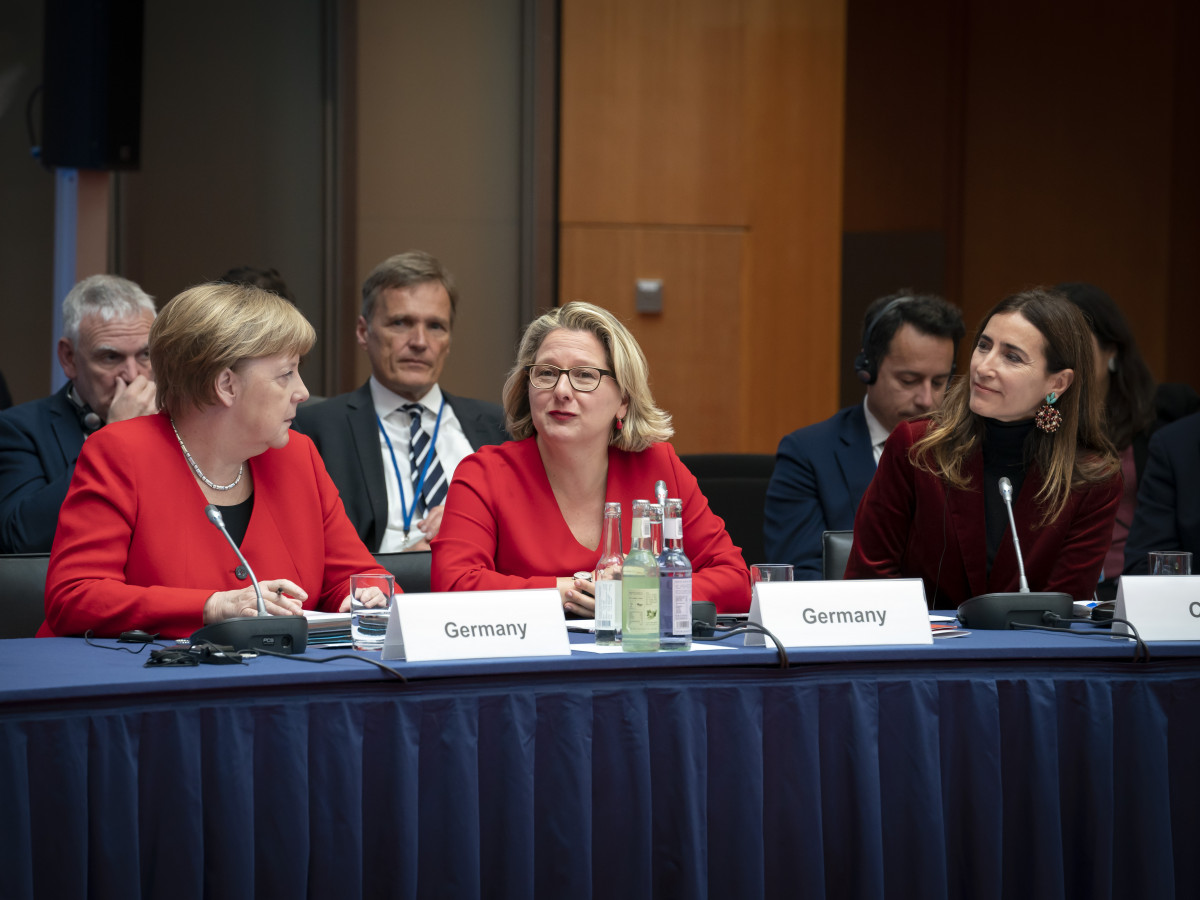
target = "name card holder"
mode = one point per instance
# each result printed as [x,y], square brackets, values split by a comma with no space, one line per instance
[1161,607]
[476,625]
[852,613]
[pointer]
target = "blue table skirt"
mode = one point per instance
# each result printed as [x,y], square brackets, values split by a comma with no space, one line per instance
[982,779]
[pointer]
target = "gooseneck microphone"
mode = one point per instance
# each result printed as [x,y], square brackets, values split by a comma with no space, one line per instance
[214,516]
[1006,496]
[279,634]
[1012,609]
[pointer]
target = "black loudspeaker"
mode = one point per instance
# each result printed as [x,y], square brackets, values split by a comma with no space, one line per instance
[92,84]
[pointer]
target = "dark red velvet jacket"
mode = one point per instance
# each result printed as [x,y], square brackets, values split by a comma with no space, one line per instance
[910,525]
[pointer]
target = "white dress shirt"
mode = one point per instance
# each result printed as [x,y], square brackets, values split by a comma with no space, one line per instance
[451,446]
[878,433]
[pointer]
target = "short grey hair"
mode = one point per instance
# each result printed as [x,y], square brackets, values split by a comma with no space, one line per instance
[406,270]
[107,296]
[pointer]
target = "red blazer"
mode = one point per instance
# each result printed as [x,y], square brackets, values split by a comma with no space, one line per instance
[134,548]
[502,528]
[910,525]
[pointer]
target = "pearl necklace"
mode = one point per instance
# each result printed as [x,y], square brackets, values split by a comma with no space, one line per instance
[201,475]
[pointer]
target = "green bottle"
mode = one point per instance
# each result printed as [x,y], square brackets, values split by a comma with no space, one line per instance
[639,583]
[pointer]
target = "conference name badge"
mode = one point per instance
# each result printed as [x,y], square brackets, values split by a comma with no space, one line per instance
[1161,607]
[476,625]
[853,613]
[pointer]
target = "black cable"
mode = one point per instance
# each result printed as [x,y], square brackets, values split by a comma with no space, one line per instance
[87,637]
[749,628]
[309,659]
[1141,653]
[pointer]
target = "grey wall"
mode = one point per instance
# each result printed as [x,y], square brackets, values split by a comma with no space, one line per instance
[232,150]
[26,211]
[239,117]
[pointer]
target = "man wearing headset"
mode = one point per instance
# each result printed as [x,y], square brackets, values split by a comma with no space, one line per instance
[821,471]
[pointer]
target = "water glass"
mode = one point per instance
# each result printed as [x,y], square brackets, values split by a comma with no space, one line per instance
[770,572]
[1170,562]
[369,609]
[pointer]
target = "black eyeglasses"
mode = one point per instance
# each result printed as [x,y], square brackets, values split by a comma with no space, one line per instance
[583,378]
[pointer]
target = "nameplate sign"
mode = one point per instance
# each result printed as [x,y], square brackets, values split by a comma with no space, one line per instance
[850,613]
[476,625]
[1161,607]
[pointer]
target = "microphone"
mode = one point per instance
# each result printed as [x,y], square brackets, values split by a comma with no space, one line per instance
[660,493]
[1006,495]
[214,516]
[277,634]
[989,612]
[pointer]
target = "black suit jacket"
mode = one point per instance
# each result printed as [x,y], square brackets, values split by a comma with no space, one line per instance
[347,437]
[39,444]
[1167,516]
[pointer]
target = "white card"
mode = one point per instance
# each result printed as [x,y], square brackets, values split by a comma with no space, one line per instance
[1161,607]
[476,625]
[852,613]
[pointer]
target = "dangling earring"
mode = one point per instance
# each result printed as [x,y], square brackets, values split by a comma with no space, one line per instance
[620,424]
[1048,418]
[1112,364]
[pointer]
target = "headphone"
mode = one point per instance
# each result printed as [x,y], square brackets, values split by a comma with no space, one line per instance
[88,420]
[867,369]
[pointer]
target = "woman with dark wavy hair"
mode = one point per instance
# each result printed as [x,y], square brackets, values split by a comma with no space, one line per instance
[1134,407]
[1027,412]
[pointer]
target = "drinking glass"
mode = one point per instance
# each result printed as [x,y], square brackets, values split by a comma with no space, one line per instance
[770,572]
[1170,562]
[369,611]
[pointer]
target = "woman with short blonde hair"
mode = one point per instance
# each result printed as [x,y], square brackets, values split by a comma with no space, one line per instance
[587,431]
[135,548]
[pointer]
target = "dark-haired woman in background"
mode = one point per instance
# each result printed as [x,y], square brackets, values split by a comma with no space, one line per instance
[1134,407]
[1027,412]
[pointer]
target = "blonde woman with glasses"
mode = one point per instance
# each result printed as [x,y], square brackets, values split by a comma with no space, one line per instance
[527,513]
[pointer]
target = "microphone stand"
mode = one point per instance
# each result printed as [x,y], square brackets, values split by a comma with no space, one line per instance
[1001,610]
[277,634]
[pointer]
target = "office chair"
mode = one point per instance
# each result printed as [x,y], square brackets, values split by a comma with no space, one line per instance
[735,485]
[835,552]
[22,593]
[411,569]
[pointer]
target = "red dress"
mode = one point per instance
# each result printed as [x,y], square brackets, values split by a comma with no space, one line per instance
[135,550]
[502,528]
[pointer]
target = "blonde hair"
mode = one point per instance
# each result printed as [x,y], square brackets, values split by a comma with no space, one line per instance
[212,327]
[1079,453]
[644,423]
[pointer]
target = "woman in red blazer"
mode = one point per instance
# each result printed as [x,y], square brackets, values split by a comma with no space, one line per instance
[527,513]
[1028,412]
[134,548]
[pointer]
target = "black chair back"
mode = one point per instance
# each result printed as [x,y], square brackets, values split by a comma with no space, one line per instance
[22,593]
[736,487]
[835,552]
[411,569]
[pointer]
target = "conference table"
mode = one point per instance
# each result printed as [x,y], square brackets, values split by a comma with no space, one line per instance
[1000,764]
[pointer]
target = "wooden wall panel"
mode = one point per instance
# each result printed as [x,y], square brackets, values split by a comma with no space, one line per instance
[652,112]
[1068,155]
[693,347]
[716,114]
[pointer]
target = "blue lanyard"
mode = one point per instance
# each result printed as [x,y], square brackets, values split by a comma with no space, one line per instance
[405,509]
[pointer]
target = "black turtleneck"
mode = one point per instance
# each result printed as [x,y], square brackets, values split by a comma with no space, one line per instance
[1003,455]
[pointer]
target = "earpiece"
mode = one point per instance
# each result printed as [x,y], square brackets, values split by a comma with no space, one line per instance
[866,368]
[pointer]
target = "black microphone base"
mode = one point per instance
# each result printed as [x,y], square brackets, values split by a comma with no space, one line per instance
[993,612]
[279,634]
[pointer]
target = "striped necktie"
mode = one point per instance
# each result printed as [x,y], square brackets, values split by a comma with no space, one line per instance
[420,446]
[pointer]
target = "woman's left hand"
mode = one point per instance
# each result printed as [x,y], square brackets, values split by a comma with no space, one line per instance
[578,596]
